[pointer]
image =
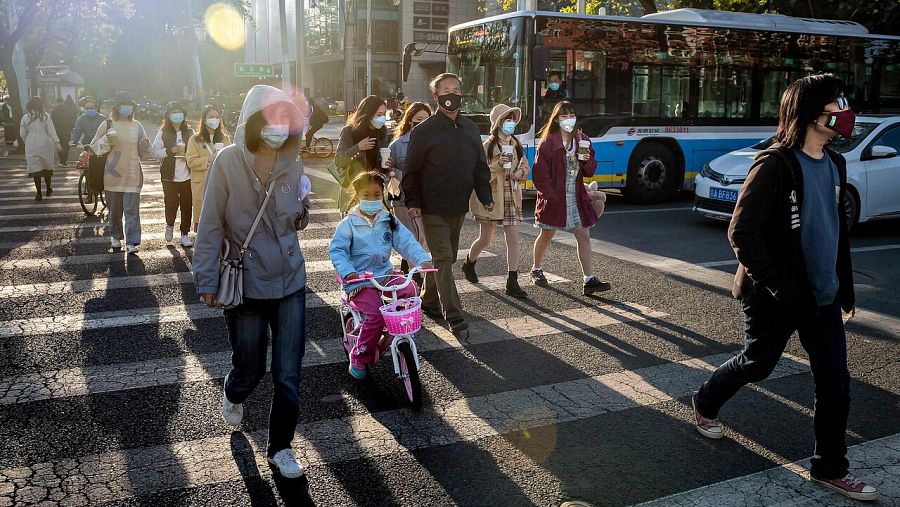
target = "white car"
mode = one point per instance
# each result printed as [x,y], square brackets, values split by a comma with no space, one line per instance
[873,173]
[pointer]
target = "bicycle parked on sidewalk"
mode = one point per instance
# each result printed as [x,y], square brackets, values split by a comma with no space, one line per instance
[321,147]
[87,195]
[402,319]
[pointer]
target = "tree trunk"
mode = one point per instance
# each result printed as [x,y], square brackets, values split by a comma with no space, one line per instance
[12,80]
[649,6]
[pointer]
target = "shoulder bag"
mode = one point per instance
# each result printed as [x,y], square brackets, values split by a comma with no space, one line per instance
[231,271]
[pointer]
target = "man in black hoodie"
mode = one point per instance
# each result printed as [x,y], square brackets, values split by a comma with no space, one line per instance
[444,163]
[789,232]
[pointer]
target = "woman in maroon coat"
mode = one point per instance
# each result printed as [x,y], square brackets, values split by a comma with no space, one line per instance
[562,202]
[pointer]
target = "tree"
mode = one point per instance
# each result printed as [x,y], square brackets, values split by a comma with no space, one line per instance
[11,32]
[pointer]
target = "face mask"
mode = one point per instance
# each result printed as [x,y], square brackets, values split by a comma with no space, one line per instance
[176,118]
[509,127]
[553,86]
[213,123]
[450,101]
[415,123]
[378,122]
[370,207]
[126,110]
[90,113]
[841,122]
[274,136]
[568,125]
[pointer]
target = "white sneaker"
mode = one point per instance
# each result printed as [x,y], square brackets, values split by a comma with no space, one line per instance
[115,243]
[132,249]
[287,464]
[186,241]
[233,413]
[170,233]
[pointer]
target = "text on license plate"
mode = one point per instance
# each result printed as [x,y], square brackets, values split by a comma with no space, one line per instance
[721,194]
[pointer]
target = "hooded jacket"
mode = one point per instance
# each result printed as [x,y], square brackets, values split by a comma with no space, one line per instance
[765,232]
[360,245]
[274,266]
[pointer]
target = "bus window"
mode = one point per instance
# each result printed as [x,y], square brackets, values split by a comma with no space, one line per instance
[660,91]
[774,85]
[724,92]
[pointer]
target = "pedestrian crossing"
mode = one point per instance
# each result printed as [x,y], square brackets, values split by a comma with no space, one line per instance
[128,406]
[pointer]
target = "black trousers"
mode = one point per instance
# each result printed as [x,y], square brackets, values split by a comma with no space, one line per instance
[178,195]
[768,327]
[47,175]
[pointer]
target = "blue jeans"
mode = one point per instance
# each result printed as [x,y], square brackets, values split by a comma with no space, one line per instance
[248,326]
[768,327]
[128,204]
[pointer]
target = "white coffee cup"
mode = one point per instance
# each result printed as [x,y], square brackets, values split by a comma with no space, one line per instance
[584,150]
[507,149]
[385,155]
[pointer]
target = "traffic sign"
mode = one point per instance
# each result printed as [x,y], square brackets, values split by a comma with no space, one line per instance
[254,70]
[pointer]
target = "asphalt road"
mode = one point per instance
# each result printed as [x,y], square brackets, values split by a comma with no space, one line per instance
[111,375]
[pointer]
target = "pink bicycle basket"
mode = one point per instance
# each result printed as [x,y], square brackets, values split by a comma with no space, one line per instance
[403,316]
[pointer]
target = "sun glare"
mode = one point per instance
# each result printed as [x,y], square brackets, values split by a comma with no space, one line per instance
[225,25]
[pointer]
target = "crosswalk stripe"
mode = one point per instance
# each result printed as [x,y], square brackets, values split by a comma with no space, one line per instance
[169,252]
[110,476]
[146,236]
[76,207]
[879,461]
[95,225]
[73,197]
[165,279]
[75,214]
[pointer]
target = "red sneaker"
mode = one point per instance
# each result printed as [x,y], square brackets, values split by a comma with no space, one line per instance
[850,487]
[709,428]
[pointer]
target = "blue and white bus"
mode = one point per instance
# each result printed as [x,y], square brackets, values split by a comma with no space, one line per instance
[664,94]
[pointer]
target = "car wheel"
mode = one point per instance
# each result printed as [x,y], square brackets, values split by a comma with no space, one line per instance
[851,208]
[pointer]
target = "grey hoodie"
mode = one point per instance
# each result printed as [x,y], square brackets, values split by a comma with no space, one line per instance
[274,265]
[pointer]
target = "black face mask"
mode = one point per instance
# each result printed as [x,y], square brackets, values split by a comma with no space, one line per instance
[415,123]
[450,101]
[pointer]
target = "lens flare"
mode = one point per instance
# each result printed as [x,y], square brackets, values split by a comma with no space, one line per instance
[225,26]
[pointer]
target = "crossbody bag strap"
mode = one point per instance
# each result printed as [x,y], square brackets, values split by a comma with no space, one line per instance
[259,215]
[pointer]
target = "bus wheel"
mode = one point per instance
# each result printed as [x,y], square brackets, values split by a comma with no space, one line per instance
[652,174]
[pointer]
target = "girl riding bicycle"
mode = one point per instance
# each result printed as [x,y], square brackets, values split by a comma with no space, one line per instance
[363,242]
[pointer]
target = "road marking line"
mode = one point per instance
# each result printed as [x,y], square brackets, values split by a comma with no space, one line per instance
[73,197]
[878,462]
[166,279]
[76,207]
[109,476]
[144,221]
[79,213]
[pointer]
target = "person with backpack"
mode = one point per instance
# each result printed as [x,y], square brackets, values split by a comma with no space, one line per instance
[123,143]
[41,144]
[169,148]
[509,169]
[789,233]
[64,116]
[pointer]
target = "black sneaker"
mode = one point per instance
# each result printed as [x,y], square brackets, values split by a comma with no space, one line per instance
[459,326]
[49,192]
[595,285]
[538,278]
[468,269]
[513,289]
[434,313]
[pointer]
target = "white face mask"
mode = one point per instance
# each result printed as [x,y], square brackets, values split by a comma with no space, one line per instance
[213,123]
[568,124]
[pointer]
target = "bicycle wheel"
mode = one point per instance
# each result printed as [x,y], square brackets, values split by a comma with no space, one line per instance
[349,327]
[88,203]
[323,147]
[409,374]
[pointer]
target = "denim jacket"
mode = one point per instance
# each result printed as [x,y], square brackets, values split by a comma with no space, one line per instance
[360,245]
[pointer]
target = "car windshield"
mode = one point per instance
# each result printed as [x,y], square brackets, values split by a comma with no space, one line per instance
[839,144]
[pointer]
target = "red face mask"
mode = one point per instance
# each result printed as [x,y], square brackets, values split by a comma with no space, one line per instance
[841,122]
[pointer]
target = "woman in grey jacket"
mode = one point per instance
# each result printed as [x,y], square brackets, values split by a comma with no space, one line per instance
[265,150]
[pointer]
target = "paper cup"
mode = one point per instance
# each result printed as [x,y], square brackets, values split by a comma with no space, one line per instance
[507,149]
[385,155]
[584,150]
[219,146]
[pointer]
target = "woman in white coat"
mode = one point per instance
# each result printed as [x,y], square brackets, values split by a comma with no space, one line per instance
[41,144]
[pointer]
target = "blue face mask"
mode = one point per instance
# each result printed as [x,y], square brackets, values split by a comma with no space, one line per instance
[378,122]
[126,110]
[370,207]
[90,113]
[176,118]
[509,127]
[274,136]
[554,87]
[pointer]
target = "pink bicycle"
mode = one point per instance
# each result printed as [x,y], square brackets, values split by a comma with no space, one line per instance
[402,320]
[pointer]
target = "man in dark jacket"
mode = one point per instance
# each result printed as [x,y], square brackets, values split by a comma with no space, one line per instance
[444,163]
[789,232]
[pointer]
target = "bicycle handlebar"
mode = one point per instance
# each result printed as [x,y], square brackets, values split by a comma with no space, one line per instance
[369,276]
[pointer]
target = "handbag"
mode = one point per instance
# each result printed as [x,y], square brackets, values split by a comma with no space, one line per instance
[231,271]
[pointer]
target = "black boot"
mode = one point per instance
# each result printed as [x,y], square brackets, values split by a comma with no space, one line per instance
[468,268]
[512,286]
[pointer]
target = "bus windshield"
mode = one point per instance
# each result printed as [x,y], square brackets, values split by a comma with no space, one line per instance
[491,60]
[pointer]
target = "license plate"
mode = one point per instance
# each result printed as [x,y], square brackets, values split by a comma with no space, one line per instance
[721,194]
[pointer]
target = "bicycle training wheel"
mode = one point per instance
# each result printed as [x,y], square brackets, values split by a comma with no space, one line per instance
[323,147]
[85,197]
[409,374]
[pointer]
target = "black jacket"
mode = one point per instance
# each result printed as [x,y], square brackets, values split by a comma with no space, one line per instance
[170,138]
[765,232]
[444,163]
